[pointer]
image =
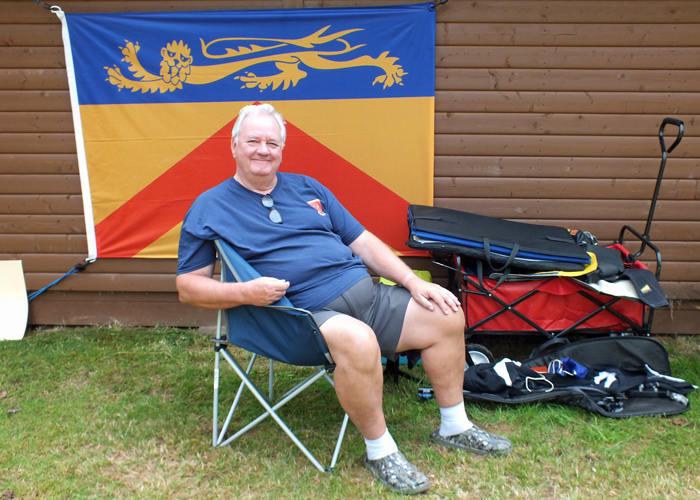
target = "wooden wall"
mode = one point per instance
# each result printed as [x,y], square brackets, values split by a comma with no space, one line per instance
[546,111]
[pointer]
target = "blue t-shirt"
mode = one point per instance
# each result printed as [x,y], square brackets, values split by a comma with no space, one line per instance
[309,249]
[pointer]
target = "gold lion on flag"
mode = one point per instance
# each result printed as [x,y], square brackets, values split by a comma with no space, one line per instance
[176,66]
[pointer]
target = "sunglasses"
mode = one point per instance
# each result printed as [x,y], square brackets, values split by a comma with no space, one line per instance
[274,214]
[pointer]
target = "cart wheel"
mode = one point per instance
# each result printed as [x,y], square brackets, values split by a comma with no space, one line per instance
[477,354]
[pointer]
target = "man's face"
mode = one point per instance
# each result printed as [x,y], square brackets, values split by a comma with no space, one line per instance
[259,149]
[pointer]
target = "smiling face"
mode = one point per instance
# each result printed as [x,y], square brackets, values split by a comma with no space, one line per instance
[258,152]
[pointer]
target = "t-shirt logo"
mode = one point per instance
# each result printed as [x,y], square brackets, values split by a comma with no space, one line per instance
[317,205]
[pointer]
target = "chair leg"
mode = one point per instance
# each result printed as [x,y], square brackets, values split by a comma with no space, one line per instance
[219,323]
[215,430]
[271,380]
[239,393]
[341,436]
[271,411]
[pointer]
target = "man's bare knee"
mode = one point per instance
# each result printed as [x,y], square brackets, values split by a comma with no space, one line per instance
[351,342]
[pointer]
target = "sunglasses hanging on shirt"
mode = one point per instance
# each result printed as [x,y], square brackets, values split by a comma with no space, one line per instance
[268,202]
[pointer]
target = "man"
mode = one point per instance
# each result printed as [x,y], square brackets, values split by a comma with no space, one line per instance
[305,244]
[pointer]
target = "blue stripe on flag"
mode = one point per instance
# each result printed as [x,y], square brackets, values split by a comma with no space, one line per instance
[378,52]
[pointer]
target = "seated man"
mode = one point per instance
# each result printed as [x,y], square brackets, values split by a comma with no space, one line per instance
[307,246]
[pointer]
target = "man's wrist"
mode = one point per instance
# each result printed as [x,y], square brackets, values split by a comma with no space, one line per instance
[408,278]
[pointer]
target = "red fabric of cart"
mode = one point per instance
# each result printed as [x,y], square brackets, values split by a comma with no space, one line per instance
[555,306]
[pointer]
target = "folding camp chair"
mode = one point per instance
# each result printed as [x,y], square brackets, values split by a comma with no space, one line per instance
[279,332]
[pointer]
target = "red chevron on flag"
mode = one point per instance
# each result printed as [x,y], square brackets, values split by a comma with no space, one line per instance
[162,205]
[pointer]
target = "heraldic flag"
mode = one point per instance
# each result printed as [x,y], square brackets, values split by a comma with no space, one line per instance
[155,97]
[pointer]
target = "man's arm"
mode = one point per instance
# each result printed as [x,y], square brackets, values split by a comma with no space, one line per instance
[382,260]
[200,289]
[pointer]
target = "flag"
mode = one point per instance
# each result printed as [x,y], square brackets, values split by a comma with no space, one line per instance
[155,97]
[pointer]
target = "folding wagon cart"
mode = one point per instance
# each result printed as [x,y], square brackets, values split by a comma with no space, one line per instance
[518,278]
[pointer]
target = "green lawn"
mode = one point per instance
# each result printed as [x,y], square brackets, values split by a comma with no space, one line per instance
[108,413]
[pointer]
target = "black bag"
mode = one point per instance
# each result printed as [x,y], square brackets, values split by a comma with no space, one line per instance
[621,376]
[500,243]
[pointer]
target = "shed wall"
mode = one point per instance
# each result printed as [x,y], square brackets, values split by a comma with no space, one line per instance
[546,112]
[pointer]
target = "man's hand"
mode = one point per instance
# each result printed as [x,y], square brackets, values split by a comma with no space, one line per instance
[430,295]
[200,289]
[265,291]
[379,257]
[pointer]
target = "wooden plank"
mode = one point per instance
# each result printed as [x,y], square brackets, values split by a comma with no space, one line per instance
[678,271]
[108,282]
[608,231]
[24,12]
[32,121]
[628,124]
[575,209]
[562,168]
[19,184]
[682,291]
[567,80]
[41,204]
[32,57]
[105,308]
[45,243]
[609,58]
[33,79]
[41,224]
[681,323]
[47,263]
[568,34]
[513,11]
[51,263]
[30,35]
[488,101]
[563,189]
[34,100]
[33,164]
[563,11]
[50,143]
[556,146]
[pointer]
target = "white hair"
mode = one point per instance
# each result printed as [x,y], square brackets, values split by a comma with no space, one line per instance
[258,109]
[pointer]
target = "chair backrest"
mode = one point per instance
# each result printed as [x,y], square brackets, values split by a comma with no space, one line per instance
[279,331]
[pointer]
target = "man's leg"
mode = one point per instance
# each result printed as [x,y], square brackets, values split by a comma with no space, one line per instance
[359,380]
[358,373]
[440,337]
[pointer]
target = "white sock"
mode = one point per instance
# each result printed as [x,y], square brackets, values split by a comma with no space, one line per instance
[454,420]
[380,447]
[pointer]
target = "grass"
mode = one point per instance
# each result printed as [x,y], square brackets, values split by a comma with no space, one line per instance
[107,413]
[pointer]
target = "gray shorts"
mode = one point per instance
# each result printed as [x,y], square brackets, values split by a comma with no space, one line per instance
[381,307]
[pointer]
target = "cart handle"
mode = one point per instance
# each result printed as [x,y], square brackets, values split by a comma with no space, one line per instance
[677,123]
[664,155]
